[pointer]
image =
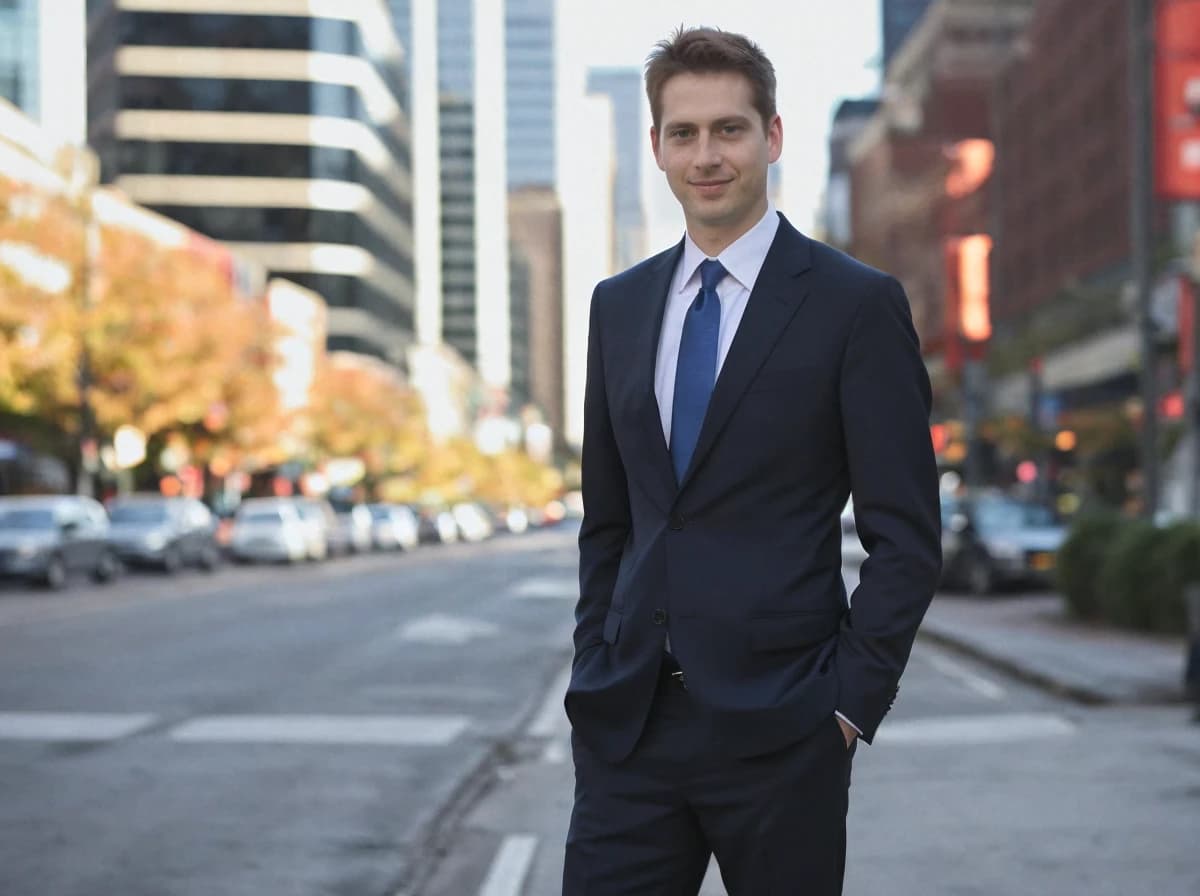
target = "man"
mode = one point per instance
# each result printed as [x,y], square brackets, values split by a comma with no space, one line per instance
[739,387]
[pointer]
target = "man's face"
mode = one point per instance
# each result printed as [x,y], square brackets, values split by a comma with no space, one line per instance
[715,153]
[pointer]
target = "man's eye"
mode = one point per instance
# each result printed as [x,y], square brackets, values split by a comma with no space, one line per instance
[731,128]
[680,132]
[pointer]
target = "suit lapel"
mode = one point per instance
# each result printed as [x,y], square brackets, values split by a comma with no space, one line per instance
[778,293]
[652,301]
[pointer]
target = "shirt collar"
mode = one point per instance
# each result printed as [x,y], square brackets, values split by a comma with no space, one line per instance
[743,258]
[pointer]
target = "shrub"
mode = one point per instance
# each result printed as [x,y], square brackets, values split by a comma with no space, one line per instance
[1175,564]
[1080,559]
[1127,575]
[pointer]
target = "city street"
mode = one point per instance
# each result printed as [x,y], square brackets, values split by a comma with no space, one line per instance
[392,725]
[266,730]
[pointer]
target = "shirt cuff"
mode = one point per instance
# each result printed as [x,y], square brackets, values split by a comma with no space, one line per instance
[848,722]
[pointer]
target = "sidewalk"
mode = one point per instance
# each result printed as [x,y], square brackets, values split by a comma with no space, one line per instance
[1034,639]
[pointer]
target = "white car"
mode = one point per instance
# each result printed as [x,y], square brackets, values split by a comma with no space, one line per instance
[268,529]
[394,527]
[319,524]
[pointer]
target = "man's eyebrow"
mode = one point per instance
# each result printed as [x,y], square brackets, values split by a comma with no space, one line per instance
[717,122]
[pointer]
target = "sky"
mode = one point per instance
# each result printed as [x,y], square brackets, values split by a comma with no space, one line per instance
[823,51]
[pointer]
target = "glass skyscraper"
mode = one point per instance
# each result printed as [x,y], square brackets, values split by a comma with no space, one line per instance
[529,58]
[285,135]
[19,55]
[623,87]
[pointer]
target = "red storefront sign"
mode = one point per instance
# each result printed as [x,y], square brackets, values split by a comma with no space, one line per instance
[1177,99]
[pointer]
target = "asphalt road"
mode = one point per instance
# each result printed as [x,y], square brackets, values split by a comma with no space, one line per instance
[976,786]
[268,730]
[392,726]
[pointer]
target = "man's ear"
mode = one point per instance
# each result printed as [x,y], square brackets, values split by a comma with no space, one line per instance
[655,147]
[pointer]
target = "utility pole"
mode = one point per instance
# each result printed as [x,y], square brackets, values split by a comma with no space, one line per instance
[1141,18]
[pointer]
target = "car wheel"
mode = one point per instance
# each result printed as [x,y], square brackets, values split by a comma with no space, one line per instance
[210,558]
[978,577]
[107,568]
[55,575]
[171,561]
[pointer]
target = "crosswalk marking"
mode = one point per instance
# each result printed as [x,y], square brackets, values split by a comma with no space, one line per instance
[442,629]
[563,588]
[964,676]
[974,729]
[353,730]
[50,726]
[506,876]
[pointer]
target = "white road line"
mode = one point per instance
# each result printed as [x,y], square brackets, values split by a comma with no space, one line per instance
[555,752]
[964,676]
[50,726]
[353,730]
[441,629]
[543,587]
[551,718]
[963,730]
[506,876]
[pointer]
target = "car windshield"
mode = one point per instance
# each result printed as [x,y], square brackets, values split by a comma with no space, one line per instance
[26,519]
[138,513]
[1001,515]
[262,515]
[381,513]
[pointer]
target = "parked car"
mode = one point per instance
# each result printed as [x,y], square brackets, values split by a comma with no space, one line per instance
[991,539]
[47,538]
[268,529]
[153,530]
[473,523]
[354,532]
[436,526]
[394,527]
[320,523]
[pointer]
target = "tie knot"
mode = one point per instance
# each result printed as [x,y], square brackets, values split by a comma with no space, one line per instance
[712,272]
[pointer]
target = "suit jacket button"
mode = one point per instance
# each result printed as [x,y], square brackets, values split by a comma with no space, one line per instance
[659,617]
[676,521]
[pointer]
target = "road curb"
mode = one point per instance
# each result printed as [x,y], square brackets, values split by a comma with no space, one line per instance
[436,835]
[1073,691]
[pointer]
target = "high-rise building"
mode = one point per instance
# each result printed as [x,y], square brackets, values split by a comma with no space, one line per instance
[899,17]
[43,64]
[285,135]
[535,224]
[475,268]
[529,58]
[623,87]
[416,25]
[848,121]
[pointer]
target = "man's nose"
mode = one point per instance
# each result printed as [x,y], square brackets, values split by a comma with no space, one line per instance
[708,153]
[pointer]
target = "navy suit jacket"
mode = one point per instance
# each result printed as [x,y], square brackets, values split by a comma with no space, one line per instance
[823,391]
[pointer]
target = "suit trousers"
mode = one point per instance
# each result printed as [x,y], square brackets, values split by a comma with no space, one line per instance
[648,825]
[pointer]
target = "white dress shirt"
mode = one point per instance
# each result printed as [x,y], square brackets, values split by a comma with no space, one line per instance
[742,260]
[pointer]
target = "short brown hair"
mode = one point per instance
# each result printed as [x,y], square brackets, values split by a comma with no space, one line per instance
[702,50]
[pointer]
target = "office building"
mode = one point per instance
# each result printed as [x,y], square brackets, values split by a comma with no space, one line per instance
[623,87]
[529,58]
[286,135]
[43,64]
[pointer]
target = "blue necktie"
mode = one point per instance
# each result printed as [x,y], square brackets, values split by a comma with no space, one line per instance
[696,371]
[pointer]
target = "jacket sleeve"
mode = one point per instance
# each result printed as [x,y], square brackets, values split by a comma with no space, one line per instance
[606,520]
[885,403]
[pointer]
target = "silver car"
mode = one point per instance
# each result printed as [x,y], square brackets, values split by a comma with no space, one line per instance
[47,538]
[154,530]
[268,529]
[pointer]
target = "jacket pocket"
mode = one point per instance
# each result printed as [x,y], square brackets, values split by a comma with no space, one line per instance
[612,626]
[792,630]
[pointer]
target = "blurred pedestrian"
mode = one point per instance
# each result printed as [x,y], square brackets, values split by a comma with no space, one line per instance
[739,386]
